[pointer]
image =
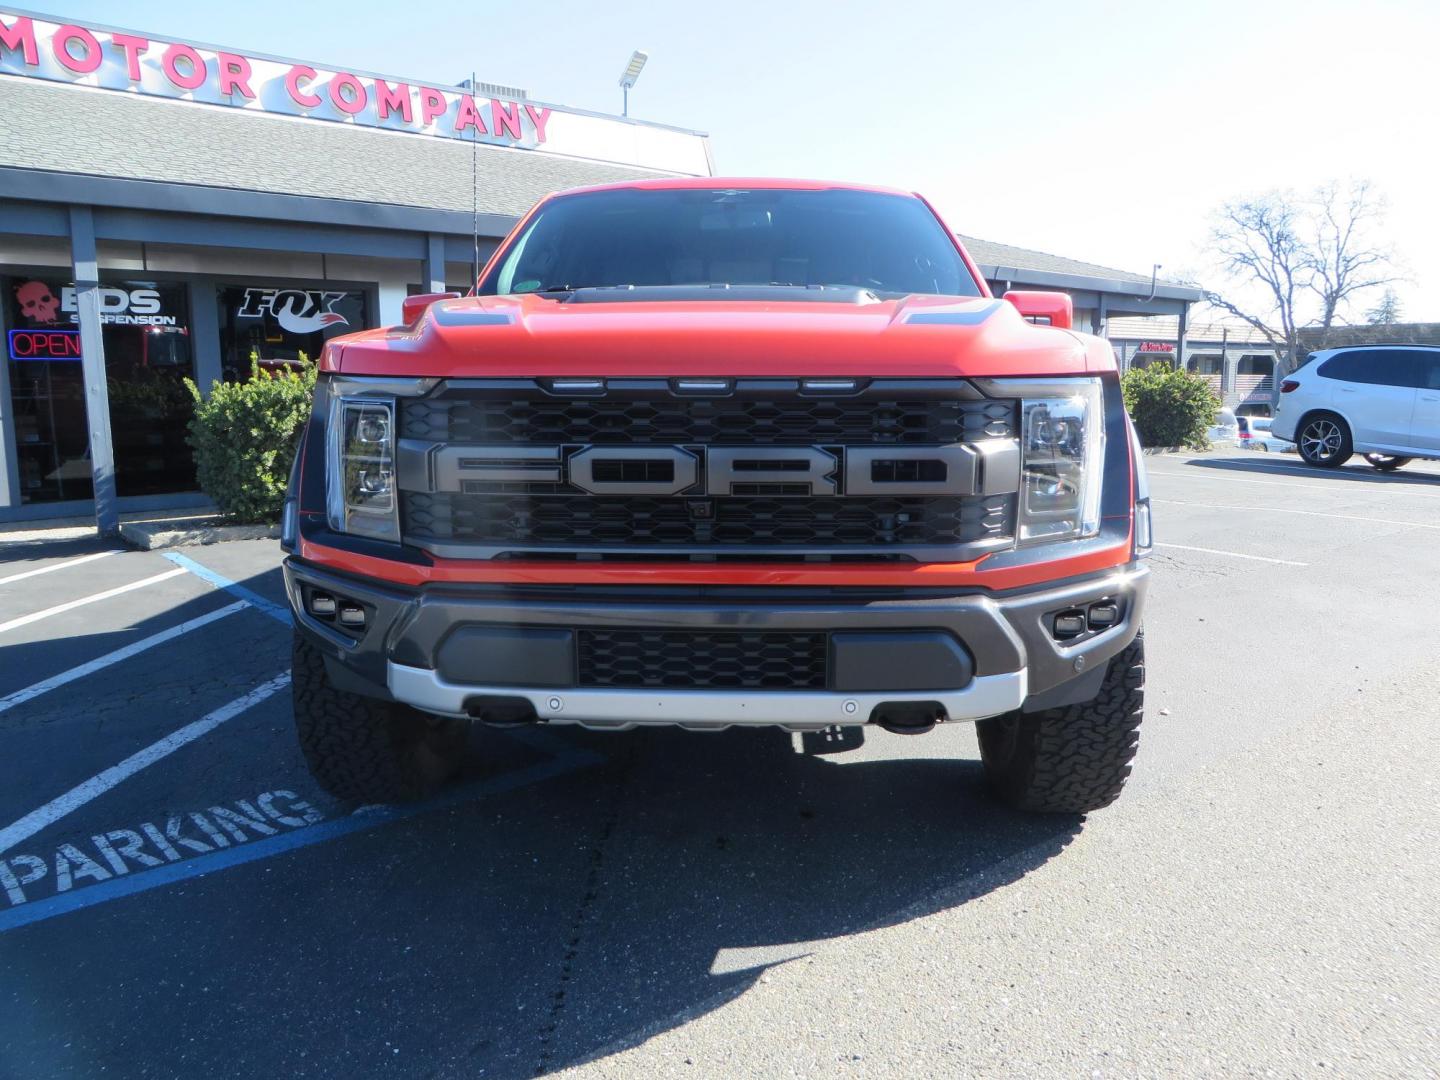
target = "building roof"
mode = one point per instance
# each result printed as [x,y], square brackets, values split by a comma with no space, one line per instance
[1167,328]
[1006,262]
[1393,334]
[68,129]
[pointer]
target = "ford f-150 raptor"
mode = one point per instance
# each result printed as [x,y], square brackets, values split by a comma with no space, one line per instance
[718,453]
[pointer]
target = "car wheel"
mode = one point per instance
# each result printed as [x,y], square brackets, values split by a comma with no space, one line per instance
[1324,440]
[1387,462]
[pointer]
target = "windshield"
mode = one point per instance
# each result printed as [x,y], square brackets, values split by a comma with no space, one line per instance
[889,244]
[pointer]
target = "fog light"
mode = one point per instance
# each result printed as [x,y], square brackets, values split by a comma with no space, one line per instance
[322,605]
[1104,614]
[1069,624]
[351,615]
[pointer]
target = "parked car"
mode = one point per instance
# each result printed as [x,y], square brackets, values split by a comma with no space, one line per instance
[1225,429]
[1382,401]
[1255,434]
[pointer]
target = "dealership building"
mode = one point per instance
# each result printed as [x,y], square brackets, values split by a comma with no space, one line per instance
[170,209]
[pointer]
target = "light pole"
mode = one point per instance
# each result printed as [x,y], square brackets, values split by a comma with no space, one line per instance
[631,73]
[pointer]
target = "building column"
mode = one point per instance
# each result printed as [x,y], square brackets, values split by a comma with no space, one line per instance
[205,334]
[1180,343]
[10,493]
[434,263]
[1101,317]
[85,269]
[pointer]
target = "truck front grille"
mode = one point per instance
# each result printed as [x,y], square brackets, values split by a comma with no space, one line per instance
[738,521]
[741,660]
[513,469]
[465,416]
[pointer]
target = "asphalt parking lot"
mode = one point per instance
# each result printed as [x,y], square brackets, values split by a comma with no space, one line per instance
[178,899]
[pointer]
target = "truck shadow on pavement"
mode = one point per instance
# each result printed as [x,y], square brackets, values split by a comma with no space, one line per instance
[732,853]
[514,937]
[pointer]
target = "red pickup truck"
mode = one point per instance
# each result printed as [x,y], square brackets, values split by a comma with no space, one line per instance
[722,453]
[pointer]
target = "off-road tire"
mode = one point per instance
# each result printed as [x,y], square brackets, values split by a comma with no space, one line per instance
[1387,462]
[1074,759]
[361,750]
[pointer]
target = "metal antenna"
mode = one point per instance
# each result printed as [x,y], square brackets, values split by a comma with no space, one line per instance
[474,200]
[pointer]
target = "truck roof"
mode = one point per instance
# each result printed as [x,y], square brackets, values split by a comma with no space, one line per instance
[671,183]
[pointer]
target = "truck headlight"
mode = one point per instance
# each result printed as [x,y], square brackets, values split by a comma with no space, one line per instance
[1062,454]
[1062,446]
[360,493]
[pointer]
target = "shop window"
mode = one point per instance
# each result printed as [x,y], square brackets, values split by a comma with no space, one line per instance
[1205,363]
[146,334]
[277,324]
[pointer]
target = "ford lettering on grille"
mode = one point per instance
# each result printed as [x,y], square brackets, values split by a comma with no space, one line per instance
[960,469]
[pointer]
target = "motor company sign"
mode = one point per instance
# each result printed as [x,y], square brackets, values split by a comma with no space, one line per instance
[120,60]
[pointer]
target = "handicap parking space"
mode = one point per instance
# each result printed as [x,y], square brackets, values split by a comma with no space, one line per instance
[178,897]
[568,892]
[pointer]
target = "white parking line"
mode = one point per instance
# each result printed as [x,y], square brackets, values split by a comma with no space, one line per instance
[1344,488]
[1303,513]
[19,697]
[102,782]
[58,609]
[1217,551]
[66,565]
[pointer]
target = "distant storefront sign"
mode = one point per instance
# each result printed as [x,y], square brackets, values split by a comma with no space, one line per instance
[116,60]
[1156,346]
[300,311]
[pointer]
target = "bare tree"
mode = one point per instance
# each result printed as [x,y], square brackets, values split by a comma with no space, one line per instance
[1344,258]
[1307,260]
[1258,243]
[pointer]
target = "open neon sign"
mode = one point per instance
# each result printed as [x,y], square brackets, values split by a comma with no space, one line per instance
[44,344]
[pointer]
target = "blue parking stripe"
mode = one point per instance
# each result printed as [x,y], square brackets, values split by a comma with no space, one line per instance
[254,599]
[567,760]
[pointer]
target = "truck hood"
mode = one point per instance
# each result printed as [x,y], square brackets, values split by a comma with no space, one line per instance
[533,336]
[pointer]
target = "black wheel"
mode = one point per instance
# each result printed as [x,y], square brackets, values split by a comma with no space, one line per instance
[1324,440]
[1387,462]
[1074,759]
[368,751]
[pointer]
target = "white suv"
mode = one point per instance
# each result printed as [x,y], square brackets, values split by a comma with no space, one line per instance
[1380,400]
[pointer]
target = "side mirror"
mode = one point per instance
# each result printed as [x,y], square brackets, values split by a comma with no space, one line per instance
[412,307]
[1046,308]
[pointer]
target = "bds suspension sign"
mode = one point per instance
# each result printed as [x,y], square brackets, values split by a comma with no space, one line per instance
[113,59]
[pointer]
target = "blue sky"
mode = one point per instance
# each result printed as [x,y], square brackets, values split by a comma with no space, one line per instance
[1102,131]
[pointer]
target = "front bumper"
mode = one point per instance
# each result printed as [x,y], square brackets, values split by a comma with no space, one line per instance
[990,652]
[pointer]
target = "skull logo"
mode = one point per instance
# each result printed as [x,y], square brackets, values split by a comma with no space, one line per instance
[38,303]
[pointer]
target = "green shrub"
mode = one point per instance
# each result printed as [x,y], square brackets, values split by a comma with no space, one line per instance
[244,436]
[1169,407]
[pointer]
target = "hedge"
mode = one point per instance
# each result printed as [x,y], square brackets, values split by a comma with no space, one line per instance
[1169,407]
[244,436]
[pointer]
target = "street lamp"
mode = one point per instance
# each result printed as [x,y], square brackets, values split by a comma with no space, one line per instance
[631,73]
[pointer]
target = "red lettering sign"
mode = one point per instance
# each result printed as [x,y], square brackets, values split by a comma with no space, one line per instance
[388,100]
[189,75]
[132,47]
[89,47]
[538,117]
[44,344]
[20,36]
[235,75]
[292,85]
[354,101]
[432,104]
